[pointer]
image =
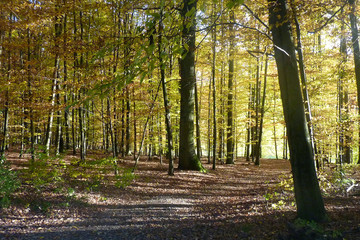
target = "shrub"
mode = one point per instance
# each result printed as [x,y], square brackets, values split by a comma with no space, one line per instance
[8,182]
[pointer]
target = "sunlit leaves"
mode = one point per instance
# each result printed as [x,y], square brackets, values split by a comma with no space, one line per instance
[234,3]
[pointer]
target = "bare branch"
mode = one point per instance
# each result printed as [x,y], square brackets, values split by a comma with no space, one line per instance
[255,15]
[328,20]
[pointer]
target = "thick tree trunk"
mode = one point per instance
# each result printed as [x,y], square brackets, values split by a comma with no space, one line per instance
[305,93]
[187,156]
[356,49]
[310,205]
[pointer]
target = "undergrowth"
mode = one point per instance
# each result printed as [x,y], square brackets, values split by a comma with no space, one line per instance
[54,175]
[9,182]
[331,182]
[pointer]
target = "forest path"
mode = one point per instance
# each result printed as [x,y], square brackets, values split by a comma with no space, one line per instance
[227,203]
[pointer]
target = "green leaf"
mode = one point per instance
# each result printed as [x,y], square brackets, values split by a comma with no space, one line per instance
[234,3]
[191,12]
[156,15]
[186,46]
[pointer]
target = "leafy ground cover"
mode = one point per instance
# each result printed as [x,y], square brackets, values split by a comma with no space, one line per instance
[104,200]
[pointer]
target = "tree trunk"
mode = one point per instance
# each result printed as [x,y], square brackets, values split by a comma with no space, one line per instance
[30,101]
[344,139]
[255,142]
[356,49]
[5,127]
[230,128]
[209,126]
[197,124]
[127,131]
[81,109]
[305,93]
[134,119]
[248,126]
[310,205]
[187,156]
[213,68]
[165,96]
[3,138]
[274,123]
[111,129]
[262,111]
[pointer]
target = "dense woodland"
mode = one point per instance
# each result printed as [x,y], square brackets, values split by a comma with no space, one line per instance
[189,83]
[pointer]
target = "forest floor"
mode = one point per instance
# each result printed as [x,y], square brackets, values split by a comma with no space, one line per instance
[239,201]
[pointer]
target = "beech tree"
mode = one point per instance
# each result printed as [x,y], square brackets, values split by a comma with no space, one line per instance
[356,49]
[309,202]
[187,156]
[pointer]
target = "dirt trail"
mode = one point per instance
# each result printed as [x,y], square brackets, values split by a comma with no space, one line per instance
[228,203]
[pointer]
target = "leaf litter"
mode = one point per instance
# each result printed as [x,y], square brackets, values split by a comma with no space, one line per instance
[239,201]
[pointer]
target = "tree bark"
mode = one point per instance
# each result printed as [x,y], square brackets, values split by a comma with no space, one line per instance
[30,101]
[165,96]
[230,128]
[344,135]
[197,123]
[262,111]
[356,49]
[304,88]
[187,156]
[213,72]
[310,205]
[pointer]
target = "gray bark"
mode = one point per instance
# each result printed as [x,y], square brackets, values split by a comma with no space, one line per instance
[310,205]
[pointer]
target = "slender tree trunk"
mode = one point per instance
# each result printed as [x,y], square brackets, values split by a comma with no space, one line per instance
[134,119]
[127,131]
[81,109]
[230,128]
[310,205]
[145,127]
[5,127]
[197,123]
[48,134]
[253,128]
[262,111]
[220,117]
[248,126]
[213,72]
[255,143]
[111,129]
[165,96]
[22,133]
[30,101]
[274,123]
[209,126]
